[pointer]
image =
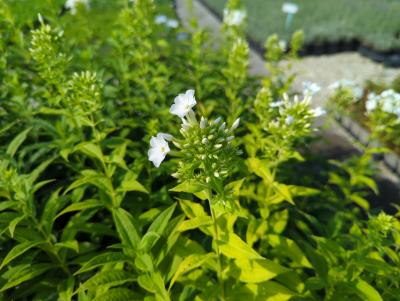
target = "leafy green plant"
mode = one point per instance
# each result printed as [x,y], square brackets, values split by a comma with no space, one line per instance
[87,210]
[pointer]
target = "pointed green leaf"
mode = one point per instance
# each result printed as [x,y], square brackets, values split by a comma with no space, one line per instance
[367,292]
[255,270]
[13,224]
[88,204]
[232,246]
[126,228]
[18,250]
[110,278]
[119,294]
[92,150]
[195,223]
[188,264]
[28,272]
[102,259]
[16,142]
[148,241]
[160,223]
[130,183]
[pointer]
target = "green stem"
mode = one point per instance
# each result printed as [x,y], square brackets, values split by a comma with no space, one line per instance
[220,277]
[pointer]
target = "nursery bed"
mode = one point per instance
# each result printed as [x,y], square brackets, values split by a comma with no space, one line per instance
[378,47]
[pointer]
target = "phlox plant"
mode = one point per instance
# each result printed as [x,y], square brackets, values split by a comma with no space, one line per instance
[138,161]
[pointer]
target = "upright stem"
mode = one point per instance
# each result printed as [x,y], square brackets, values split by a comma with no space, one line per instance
[220,278]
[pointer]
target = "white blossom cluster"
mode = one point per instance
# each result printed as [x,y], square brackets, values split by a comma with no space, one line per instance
[163,19]
[348,84]
[234,17]
[287,104]
[205,146]
[388,101]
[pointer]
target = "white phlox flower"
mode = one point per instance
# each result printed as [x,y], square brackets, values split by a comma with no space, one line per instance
[388,101]
[318,111]
[283,45]
[276,104]
[290,8]
[310,88]
[159,148]
[73,4]
[289,120]
[172,23]
[160,19]
[345,83]
[183,104]
[234,17]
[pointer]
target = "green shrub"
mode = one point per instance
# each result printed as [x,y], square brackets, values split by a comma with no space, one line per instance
[84,214]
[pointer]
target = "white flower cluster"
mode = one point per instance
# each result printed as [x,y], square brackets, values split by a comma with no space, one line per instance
[348,84]
[204,140]
[388,101]
[234,17]
[310,88]
[159,147]
[287,104]
[163,19]
[73,4]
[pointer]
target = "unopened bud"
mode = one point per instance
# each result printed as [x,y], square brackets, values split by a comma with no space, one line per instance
[235,124]
[217,120]
[203,122]
[204,141]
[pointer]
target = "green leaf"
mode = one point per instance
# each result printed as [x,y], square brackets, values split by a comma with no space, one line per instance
[119,294]
[192,209]
[69,244]
[367,292]
[266,291]
[317,260]
[195,223]
[289,248]
[13,224]
[255,270]
[126,228]
[144,262]
[232,246]
[192,187]
[38,170]
[18,250]
[94,178]
[160,223]
[53,204]
[148,241]
[190,263]
[92,150]
[130,183]
[260,169]
[4,205]
[88,204]
[110,278]
[16,142]
[360,201]
[27,272]
[101,260]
